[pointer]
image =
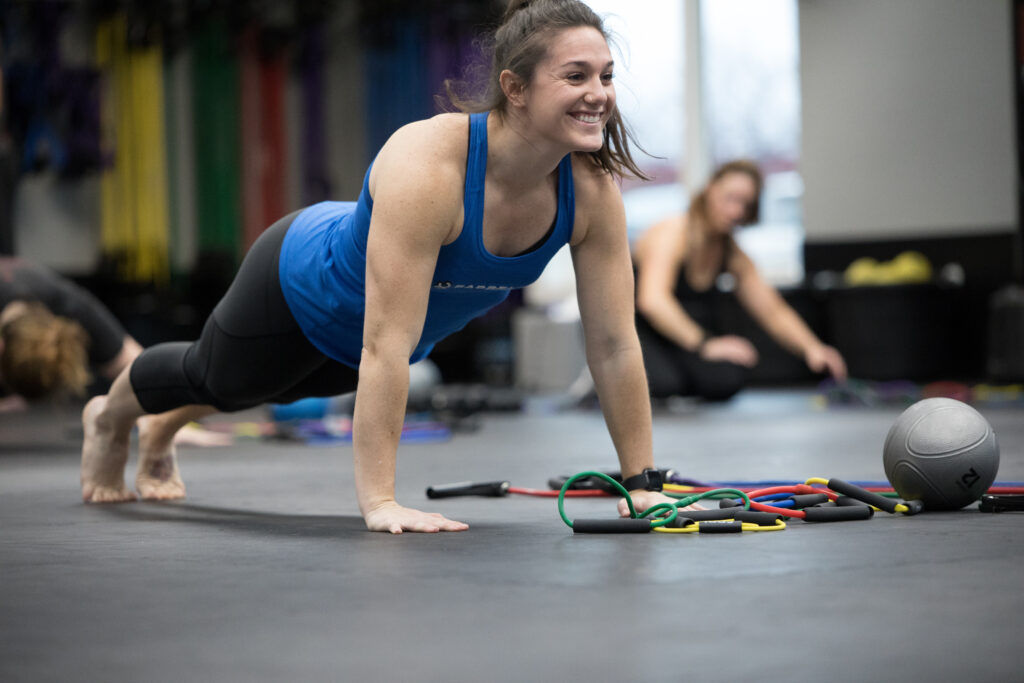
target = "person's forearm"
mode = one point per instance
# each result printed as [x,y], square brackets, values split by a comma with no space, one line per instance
[377,427]
[622,389]
[670,320]
[790,331]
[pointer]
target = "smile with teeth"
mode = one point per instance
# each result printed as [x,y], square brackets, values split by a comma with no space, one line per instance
[583,117]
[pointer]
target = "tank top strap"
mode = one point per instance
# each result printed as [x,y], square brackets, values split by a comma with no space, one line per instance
[476,169]
[566,200]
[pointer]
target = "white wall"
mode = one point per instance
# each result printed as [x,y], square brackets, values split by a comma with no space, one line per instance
[908,118]
[57,222]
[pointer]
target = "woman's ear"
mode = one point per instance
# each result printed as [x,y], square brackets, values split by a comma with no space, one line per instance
[513,87]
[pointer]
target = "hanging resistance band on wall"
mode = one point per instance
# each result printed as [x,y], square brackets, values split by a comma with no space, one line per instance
[134,204]
[217,132]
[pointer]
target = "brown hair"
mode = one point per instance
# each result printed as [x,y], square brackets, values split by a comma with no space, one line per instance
[518,45]
[44,355]
[698,211]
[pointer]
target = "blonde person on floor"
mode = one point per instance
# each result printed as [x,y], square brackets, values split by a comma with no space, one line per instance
[54,335]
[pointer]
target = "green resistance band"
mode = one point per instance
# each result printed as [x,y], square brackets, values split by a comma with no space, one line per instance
[663,513]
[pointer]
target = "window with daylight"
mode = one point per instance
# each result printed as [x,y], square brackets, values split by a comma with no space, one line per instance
[748,93]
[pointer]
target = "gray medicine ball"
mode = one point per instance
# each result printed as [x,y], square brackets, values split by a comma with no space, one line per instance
[942,452]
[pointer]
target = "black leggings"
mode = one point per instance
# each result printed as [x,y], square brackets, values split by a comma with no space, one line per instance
[673,371]
[251,350]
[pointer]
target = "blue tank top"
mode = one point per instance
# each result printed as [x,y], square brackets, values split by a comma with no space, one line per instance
[323,263]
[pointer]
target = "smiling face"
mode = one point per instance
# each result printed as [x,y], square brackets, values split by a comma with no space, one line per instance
[571,95]
[729,200]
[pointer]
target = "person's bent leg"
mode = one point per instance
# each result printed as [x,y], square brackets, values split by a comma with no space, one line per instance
[158,477]
[661,362]
[250,351]
[107,423]
[715,380]
[168,377]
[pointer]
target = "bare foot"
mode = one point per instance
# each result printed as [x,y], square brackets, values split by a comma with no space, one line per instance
[104,455]
[158,477]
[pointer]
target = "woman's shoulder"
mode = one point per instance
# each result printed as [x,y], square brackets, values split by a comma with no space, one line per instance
[431,150]
[588,175]
[594,188]
[444,135]
[665,237]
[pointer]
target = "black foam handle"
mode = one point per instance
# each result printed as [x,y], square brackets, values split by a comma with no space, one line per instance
[913,507]
[707,515]
[725,503]
[806,500]
[838,514]
[492,489]
[731,527]
[758,518]
[681,522]
[996,502]
[611,526]
[847,501]
[853,491]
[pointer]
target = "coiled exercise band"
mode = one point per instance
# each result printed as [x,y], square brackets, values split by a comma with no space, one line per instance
[665,514]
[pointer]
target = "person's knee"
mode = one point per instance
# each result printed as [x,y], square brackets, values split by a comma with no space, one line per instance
[727,380]
[226,392]
[217,384]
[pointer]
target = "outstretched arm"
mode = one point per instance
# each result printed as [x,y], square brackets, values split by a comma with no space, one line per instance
[778,318]
[415,207]
[659,254]
[604,279]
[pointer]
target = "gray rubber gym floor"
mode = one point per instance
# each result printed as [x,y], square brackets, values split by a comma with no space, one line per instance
[265,572]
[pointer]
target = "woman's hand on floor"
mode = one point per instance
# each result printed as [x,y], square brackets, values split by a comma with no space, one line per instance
[643,500]
[396,519]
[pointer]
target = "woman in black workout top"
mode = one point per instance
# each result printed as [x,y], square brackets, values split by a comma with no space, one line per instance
[677,262]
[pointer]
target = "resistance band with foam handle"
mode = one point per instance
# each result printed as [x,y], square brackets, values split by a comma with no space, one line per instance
[662,516]
[493,489]
[908,507]
[682,484]
[830,511]
[837,514]
[994,503]
[699,521]
[611,526]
